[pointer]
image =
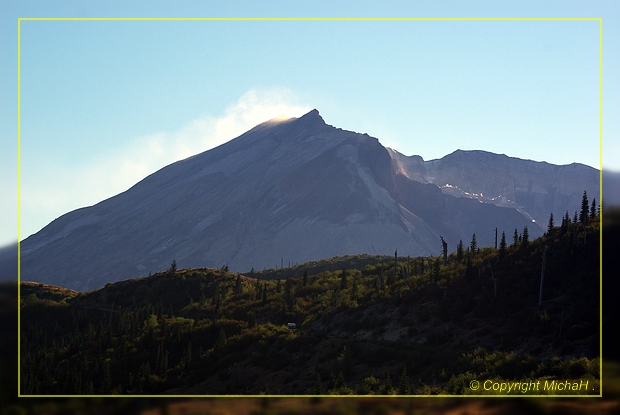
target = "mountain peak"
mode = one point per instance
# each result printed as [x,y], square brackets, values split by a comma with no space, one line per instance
[312,117]
[297,189]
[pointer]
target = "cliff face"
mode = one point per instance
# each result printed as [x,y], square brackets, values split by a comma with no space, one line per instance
[296,190]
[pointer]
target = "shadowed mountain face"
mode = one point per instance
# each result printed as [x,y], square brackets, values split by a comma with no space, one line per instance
[292,190]
[535,189]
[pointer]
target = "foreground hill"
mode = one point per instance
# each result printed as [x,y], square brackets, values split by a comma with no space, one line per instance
[291,190]
[400,325]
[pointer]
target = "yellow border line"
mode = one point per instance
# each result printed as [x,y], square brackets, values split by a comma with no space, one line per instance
[600,203]
[600,20]
[19,285]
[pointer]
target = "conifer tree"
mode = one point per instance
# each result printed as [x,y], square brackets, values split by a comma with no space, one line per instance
[444,250]
[305,279]
[585,209]
[343,280]
[551,225]
[403,386]
[338,381]
[515,238]
[388,389]
[238,284]
[395,259]
[502,246]
[593,209]
[474,244]
[526,237]
[459,251]
[565,223]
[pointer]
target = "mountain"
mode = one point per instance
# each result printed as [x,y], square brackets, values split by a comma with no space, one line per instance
[288,190]
[535,189]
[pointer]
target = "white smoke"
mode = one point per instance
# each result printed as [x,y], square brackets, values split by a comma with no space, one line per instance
[67,187]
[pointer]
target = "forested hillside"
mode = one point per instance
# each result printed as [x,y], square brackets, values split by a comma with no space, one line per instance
[364,325]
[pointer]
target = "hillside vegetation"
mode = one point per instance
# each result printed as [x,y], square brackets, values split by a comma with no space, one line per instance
[365,325]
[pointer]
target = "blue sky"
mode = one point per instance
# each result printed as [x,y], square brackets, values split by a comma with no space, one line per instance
[105,103]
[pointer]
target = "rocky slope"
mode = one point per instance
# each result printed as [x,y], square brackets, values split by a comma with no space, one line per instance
[533,188]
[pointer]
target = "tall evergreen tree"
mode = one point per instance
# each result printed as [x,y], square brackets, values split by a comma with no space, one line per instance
[515,238]
[593,209]
[444,250]
[305,278]
[474,244]
[238,284]
[459,251]
[551,225]
[343,280]
[258,286]
[565,223]
[395,270]
[526,237]
[502,246]
[585,209]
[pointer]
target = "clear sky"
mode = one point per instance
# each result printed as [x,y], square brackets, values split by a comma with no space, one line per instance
[105,103]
